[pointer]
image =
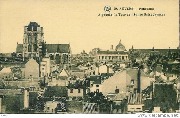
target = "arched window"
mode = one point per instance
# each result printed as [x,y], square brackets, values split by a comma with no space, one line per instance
[29,48]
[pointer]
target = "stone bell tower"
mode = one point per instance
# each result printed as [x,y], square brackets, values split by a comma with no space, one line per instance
[33,40]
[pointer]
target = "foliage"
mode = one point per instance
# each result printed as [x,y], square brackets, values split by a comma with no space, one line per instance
[104,104]
[13,103]
[165,97]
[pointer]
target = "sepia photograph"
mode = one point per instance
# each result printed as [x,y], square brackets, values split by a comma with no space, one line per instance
[90,57]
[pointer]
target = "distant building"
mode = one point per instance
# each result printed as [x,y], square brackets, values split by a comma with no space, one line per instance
[153,51]
[31,69]
[119,54]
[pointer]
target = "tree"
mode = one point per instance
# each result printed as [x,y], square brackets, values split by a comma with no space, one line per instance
[101,101]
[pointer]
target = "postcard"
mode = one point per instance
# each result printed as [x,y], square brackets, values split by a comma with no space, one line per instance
[118,57]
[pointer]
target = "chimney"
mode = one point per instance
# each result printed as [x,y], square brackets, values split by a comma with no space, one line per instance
[26,98]
[116,90]
[111,47]
[107,69]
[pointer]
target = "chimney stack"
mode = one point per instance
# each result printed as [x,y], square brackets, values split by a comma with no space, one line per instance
[111,47]
[26,98]
[107,69]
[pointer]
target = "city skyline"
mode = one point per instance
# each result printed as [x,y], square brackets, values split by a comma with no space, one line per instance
[78,24]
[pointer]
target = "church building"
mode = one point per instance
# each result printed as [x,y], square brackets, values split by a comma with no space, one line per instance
[34,46]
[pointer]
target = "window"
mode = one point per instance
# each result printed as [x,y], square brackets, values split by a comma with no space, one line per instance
[71,90]
[79,90]
[97,85]
[122,57]
[97,90]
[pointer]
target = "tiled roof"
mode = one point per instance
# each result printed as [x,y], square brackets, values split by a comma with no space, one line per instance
[112,52]
[19,48]
[61,48]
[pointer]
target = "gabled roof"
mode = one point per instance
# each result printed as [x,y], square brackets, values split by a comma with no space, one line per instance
[6,70]
[19,48]
[64,73]
[61,48]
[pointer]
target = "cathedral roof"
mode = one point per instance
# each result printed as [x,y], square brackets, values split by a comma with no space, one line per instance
[61,48]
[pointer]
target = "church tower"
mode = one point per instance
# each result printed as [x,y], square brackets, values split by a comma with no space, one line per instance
[33,40]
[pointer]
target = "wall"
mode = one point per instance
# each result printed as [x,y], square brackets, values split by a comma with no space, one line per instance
[95,87]
[31,69]
[75,93]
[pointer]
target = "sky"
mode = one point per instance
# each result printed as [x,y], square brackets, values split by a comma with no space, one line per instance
[78,24]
